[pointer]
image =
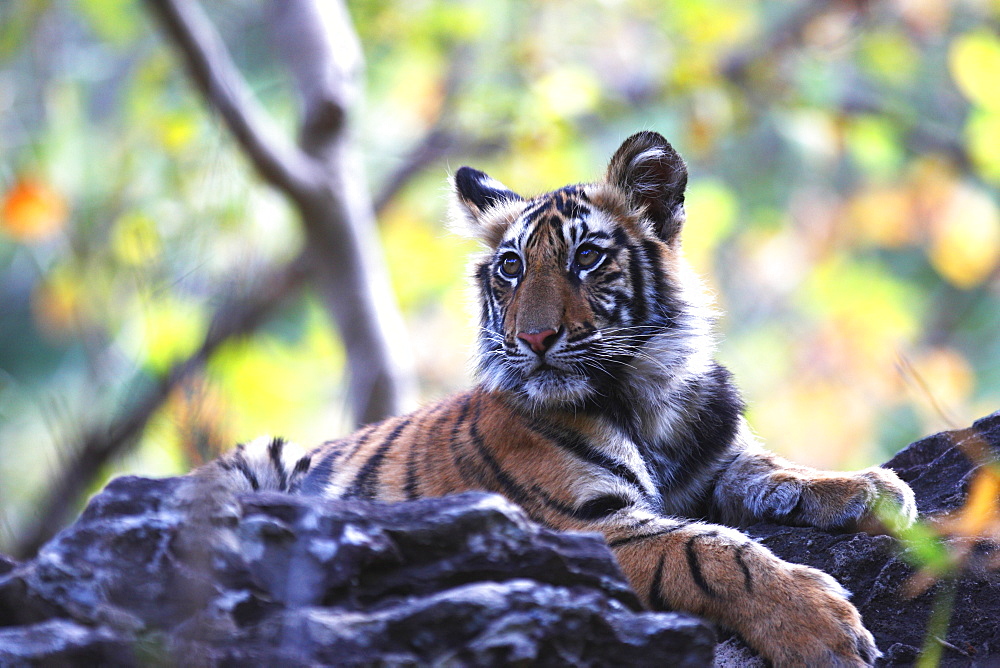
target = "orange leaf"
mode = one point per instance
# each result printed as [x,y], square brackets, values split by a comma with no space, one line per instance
[32,211]
[980,509]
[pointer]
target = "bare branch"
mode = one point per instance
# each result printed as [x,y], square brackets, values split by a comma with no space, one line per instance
[233,319]
[440,139]
[786,34]
[433,147]
[321,49]
[324,56]
[212,69]
[325,179]
[325,182]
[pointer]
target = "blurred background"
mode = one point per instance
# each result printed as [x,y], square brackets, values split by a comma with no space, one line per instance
[843,207]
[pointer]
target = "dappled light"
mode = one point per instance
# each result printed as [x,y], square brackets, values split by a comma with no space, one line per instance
[842,208]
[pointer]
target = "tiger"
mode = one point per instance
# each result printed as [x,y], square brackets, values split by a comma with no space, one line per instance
[599,407]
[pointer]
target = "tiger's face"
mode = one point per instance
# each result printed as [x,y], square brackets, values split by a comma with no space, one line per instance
[579,288]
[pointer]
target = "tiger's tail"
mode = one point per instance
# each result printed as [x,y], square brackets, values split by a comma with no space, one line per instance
[264,464]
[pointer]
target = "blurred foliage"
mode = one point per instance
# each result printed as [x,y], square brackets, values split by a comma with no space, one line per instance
[944,547]
[843,207]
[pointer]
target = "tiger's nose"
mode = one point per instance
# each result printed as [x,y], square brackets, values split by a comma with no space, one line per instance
[540,341]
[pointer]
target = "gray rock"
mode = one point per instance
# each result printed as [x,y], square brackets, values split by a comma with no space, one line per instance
[61,642]
[875,569]
[182,575]
[162,571]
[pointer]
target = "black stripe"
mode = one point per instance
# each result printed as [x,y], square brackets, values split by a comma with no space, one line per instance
[695,566]
[585,333]
[578,446]
[747,578]
[532,211]
[319,476]
[410,487]
[240,462]
[656,600]
[601,507]
[302,466]
[635,265]
[315,482]
[364,483]
[627,540]
[719,406]
[511,488]
[274,454]
[297,475]
[643,522]
[469,472]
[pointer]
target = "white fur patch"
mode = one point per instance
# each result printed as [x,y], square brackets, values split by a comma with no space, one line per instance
[488,181]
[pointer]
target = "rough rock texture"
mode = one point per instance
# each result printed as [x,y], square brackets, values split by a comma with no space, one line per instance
[157,571]
[875,569]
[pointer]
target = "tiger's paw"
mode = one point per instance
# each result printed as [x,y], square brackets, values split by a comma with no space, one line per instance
[895,507]
[874,500]
[812,623]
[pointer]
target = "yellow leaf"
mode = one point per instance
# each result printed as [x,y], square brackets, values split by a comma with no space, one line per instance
[883,217]
[974,61]
[965,238]
[32,211]
[982,135]
[172,330]
[944,377]
[890,55]
[981,507]
[135,240]
[178,130]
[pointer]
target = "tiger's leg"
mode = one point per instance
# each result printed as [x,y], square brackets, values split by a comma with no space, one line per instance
[793,615]
[759,485]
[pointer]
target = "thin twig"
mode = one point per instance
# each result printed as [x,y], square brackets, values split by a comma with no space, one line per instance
[235,318]
[440,139]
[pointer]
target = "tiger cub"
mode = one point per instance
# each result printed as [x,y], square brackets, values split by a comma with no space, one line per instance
[599,407]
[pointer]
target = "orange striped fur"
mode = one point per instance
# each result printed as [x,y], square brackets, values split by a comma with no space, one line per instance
[599,408]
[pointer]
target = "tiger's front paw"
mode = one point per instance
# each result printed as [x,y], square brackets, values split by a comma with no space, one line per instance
[873,500]
[812,623]
[894,507]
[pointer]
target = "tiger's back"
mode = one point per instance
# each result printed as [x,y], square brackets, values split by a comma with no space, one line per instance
[599,407]
[478,441]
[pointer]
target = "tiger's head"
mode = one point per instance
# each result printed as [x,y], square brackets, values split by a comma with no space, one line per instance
[583,290]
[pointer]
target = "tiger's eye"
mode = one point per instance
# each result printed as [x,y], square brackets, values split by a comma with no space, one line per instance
[587,256]
[510,265]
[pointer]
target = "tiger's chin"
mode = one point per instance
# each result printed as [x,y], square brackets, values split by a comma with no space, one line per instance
[556,389]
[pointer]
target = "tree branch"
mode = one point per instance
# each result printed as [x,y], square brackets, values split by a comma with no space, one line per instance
[212,69]
[786,34]
[439,140]
[324,179]
[436,144]
[235,318]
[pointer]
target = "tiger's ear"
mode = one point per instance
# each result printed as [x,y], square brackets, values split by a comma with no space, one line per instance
[653,176]
[476,193]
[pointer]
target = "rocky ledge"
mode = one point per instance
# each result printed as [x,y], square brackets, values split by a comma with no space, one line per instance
[160,572]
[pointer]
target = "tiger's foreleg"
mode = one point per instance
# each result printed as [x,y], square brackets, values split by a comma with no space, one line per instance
[759,485]
[793,615]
